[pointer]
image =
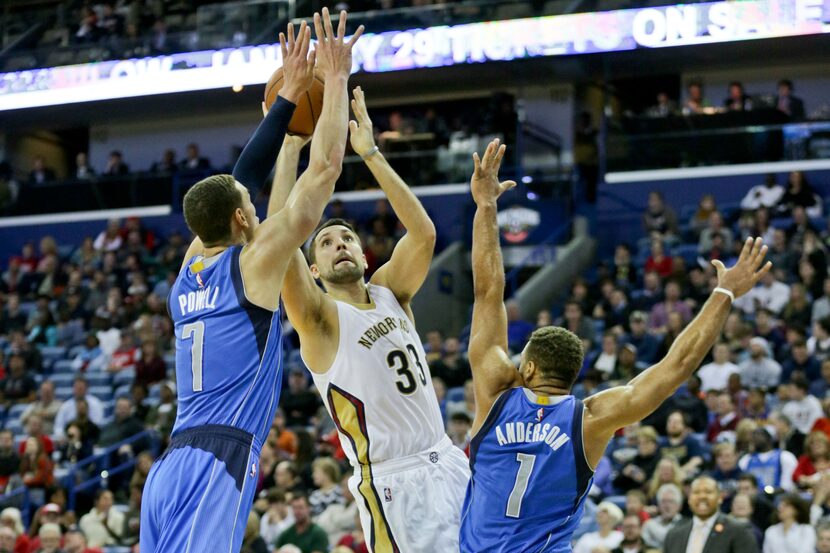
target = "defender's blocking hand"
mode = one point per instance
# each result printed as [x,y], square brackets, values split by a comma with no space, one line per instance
[746,273]
[485,184]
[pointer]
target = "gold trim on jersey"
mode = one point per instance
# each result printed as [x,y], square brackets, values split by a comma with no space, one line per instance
[349,416]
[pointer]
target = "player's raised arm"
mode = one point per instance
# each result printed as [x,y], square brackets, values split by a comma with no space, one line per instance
[276,240]
[610,410]
[493,372]
[408,267]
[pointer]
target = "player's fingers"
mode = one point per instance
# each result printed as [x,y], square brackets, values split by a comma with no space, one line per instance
[758,259]
[353,128]
[264,110]
[507,185]
[500,153]
[756,247]
[318,28]
[476,162]
[718,266]
[304,38]
[341,26]
[745,251]
[764,270]
[312,59]
[291,37]
[327,24]
[283,48]
[357,34]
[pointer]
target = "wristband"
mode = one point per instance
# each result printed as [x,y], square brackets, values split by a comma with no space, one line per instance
[372,152]
[725,291]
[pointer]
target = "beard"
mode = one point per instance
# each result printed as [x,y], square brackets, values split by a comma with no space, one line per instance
[345,274]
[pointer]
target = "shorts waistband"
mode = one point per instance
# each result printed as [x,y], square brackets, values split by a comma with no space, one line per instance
[211,433]
[429,457]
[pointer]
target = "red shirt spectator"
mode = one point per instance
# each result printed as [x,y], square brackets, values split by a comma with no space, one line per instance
[658,262]
[815,459]
[727,418]
[151,368]
[126,356]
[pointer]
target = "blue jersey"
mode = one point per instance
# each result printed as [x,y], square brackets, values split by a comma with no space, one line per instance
[228,351]
[529,476]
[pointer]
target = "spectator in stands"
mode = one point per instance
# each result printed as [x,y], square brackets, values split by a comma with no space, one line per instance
[635,474]
[34,429]
[823,537]
[814,462]
[665,106]
[726,471]
[40,173]
[608,516]
[277,518]
[452,367]
[83,170]
[714,228]
[615,311]
[770,294]
[69,411]
[695,103]
[701,217]
[798,193]
[124,425]
[624,273]
[21,346]
[11,518]
[467,404]
[767,328]
[669,502]
[306,535]
[88,29]
[580,325]
[151,368]
[125,356]
[458,429]
[18,387]
[9,459]
[193,161]
[162,416]
[433,347]
[326,476]
[737,100]
[680,445]
[7,539]
[772,467]
[671,304]
[763,195]
[726,417]
[518,330]
[167,165]
[116,166]
[36,468]
[74,541]
[13,318]
[646,344]
[606,361]
[741,510]
[800,227]
[800,362]
[657,261]
[784,433]
[715,375]
[632,541]
[786,103]
[298,402]
[659,218]
[103,525]
[793,533]
[77,446]
[819,387]
[759,370]
[109,240]
[50,538]
[252,542]
[802,409]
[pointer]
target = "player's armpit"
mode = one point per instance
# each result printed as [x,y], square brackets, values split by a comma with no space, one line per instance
[493,373]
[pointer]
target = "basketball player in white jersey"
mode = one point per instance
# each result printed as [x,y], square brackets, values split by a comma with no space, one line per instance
[360,343]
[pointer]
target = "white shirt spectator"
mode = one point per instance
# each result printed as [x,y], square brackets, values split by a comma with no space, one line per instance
[588,542]
[715,376]
[803,413]
[762,195]
[92,525]
[774,297]
[763,373]
[801,538]
[655,530]
[69,411]
[271,530]
[788,464]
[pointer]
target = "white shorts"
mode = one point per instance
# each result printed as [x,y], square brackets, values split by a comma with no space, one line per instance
[413,504]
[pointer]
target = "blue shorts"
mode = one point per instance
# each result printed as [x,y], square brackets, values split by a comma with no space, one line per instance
[199,492]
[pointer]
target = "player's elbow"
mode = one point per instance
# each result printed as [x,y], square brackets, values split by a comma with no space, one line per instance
[428,234]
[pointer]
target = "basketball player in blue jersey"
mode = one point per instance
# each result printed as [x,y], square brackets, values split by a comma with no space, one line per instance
[225,308]
[534,445]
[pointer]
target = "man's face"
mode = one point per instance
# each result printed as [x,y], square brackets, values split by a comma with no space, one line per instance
[704,499]
[104,502]
[742,506]
[675,425]
[631,529]
[339,256]
[672,291]
[668,505]
[301,510]
[74,542]
[122,409]
[727,459]
[17,366]
[746,487]
[572,312]
[6,440]
[7,540]
[50,541]
[79,389]
[721,354]
[823,541]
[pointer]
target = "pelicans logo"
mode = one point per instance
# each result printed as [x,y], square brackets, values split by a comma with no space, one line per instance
[516,223]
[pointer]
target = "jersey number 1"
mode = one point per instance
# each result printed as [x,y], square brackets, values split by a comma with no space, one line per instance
[514,502]
[196,331]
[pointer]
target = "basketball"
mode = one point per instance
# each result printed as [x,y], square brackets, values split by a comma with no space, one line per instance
[308,107]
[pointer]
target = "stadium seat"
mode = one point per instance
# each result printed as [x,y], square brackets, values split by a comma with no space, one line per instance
[99,379]
[455,394]
[63,366]
[17,410]
[63,393]
[53,353]
[123,378]
[62,380]
[618,500]
[104,393]
[15,426]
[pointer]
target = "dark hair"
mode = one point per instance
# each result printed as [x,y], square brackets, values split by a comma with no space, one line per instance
[824,323]
[209,206]
[736,83]
[557,352]
[116,153]
[786,82]
[800,382]
[801,506]
[312,246]
[749,477]
[300,495]
[685,416]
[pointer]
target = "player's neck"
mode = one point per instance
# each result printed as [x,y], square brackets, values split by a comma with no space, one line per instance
[352,292]
[547,389]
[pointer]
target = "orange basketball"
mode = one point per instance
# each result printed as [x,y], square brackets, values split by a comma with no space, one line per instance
[308,107]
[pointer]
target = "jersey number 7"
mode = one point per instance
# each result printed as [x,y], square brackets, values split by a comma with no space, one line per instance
[196,331]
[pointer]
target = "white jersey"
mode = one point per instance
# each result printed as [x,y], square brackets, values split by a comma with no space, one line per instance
[379,390]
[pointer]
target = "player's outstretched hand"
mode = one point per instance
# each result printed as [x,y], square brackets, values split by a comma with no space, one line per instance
[297,62]
[361,134]
[746,273]
[334,55]
[485,184]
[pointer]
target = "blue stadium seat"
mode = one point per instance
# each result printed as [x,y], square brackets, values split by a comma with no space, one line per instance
[62,380]
[99,379]
[170,360]
[63,366]
[53,353]
[104,393]
[123,378]
[63,393]
[15,426]
[688,252]
[123,390]
[17,410]
[455,394]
